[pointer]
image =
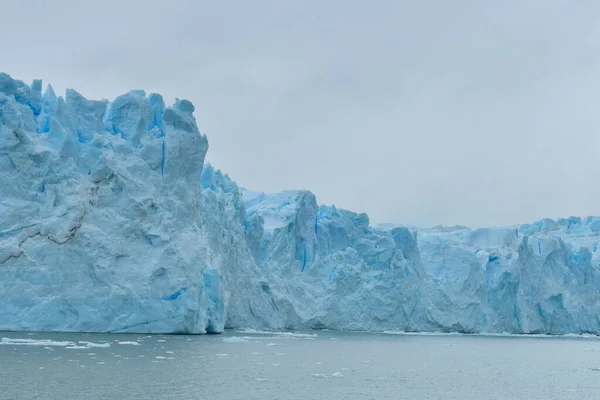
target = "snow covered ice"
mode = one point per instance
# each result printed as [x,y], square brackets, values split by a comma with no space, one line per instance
[110,221]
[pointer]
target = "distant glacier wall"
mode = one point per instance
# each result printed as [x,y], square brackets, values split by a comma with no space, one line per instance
[110,221]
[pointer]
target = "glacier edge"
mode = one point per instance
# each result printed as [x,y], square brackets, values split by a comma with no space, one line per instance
[110,221]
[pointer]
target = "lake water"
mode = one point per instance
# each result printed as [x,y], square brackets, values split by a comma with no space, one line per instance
[325,365]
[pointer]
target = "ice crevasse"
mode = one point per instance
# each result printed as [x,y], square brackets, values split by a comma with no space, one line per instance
[110,221]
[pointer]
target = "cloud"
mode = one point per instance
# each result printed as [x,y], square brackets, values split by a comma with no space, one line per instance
[464,112]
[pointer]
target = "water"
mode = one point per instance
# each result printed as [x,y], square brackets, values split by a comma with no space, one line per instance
[330,365]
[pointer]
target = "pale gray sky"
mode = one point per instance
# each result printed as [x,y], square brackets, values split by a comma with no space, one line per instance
[418,112]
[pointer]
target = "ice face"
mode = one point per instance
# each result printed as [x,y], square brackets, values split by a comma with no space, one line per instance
[103,223]
[111,222]
[534,278]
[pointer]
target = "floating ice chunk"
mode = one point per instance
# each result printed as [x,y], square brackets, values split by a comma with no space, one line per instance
[235,339]
[254,331]
[280,354]
[272,344]
[261,379]
[338,375]
[161,340]
[160,357]
[319,375]
[170,352]
[101,362]
[256,353]
[221,354]
[92,344]
[75,347]
[276,364]
[296,335]
[130,343]
[34,342]
[278,334]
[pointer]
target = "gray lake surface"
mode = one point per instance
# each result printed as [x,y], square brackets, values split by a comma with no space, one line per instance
[311,365]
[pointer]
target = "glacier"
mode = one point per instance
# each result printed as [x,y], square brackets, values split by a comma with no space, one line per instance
[111,221]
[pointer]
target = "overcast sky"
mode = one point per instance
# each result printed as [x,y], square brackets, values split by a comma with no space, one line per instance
[417,112]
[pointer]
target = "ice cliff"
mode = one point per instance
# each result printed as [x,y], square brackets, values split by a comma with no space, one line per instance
[104,224]
[110,221]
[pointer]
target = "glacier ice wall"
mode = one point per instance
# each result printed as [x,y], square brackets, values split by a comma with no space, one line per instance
[104,225]
[111,222]
[330,268]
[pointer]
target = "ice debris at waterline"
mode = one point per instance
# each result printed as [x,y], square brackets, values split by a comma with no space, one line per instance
[111,222]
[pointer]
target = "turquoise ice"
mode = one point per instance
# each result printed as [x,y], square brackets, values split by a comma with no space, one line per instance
[110,221]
